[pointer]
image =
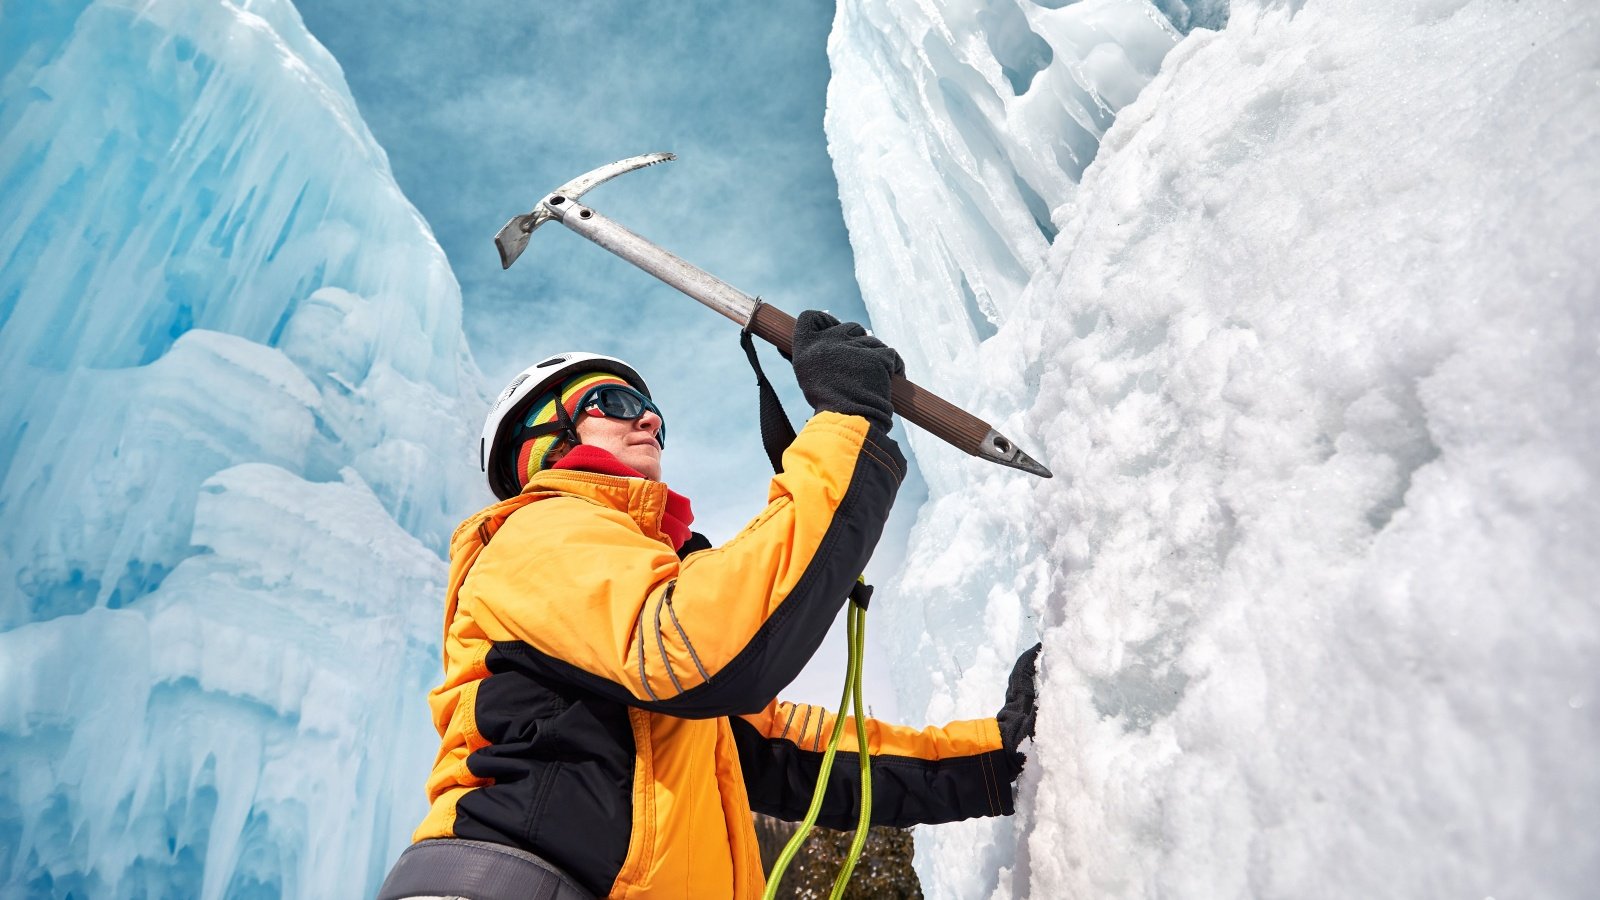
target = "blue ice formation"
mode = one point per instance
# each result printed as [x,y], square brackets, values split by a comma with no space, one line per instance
[230,457]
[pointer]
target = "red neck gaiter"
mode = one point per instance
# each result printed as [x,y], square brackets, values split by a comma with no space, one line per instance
[678,516]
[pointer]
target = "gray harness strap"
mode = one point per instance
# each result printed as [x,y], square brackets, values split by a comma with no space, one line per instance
[475,870]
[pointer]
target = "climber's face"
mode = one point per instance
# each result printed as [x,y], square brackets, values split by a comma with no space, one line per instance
[632,441]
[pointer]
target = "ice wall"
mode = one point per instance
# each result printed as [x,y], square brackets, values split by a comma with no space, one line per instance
[229,460]
[1309,349]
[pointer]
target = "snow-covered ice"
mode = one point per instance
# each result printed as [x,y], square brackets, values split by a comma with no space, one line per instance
[237,394]
[1310,349]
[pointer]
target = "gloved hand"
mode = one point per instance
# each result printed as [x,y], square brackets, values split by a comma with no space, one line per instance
[843,369]
[1016,717]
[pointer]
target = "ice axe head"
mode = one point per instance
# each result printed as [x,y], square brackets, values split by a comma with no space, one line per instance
[513,238]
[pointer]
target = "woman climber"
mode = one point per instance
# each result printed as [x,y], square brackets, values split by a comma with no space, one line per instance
[607,714]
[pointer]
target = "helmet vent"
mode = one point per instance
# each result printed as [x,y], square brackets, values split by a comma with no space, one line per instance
[550,362]
[511,389]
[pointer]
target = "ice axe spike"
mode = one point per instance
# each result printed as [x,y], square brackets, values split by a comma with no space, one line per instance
[915,404]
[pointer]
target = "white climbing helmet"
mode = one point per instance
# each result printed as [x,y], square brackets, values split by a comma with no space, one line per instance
[496,455]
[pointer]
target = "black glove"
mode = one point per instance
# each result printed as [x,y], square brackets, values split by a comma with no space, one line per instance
[843,369]
[1016,717]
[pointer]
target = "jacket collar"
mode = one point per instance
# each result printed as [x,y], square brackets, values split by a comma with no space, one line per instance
[643,500]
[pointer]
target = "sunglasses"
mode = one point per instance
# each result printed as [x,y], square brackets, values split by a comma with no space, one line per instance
[617,402]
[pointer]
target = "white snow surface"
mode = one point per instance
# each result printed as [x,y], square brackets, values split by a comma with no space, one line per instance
[237,397]
[1311,349]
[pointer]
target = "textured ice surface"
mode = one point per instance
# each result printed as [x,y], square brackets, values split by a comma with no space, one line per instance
[230,457]
[1311,351]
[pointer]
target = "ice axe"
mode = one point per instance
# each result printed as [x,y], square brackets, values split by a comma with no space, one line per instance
[915,404]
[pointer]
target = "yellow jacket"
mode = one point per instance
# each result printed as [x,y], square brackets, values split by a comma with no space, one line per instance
[608,706]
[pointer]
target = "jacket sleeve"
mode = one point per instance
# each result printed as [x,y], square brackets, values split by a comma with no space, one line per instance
[919,777]
[587,598]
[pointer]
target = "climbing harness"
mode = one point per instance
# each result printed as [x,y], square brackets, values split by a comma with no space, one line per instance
[776,435]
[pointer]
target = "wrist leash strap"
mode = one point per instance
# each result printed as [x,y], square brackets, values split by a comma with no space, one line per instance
[776,436]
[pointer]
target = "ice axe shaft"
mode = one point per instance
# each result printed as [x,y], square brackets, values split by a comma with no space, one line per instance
[915,404]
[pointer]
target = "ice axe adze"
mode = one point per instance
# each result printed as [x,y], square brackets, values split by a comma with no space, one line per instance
[915,404]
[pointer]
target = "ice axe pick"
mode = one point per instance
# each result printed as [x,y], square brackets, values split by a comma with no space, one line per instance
[915,404]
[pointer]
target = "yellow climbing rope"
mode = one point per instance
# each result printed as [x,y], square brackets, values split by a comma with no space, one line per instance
[856,630]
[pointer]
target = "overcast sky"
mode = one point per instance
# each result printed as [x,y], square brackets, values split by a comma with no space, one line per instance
[483,108]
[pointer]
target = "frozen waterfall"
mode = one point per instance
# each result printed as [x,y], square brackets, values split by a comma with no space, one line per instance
[1308,335]
[230,460]
[1298,299]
